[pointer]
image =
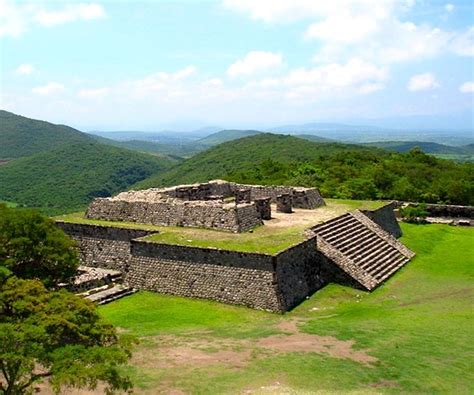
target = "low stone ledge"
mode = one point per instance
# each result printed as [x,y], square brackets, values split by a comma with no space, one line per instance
[200,255]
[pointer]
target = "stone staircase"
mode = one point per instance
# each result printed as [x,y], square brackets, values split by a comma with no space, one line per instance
[101,286]
[110,294]
[361,248]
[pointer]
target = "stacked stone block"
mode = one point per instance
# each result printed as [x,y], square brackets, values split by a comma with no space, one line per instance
[264,208]
[284,204]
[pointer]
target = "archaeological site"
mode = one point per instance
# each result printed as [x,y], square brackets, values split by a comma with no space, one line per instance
[128,237]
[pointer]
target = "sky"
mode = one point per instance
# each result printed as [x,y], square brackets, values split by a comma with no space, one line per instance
[152,65]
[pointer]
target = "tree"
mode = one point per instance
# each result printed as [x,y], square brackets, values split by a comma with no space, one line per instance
[33,247]
[55,335]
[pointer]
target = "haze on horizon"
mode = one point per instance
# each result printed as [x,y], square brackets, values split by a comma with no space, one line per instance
[238,63]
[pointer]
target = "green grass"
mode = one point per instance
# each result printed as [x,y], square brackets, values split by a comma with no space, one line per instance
[263,239]
[148,314]
[419,325]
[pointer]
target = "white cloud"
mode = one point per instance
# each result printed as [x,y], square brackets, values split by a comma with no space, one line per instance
[69,13]
[255,62]
[49,89]
[25,69]
[355,72]
[92,93]
[463,43]
[449,7]
[371,87]
[16,18]
[282,11]
[467,87]
[376,30]
[422,82]
[342,28]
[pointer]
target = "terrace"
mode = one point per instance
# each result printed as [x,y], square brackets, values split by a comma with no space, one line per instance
[277,234]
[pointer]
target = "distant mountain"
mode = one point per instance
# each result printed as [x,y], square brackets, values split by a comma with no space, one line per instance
[164,137]
[68,178]
[426,147]
[370,133]
[171,151]
[245,154]
[21,136]
[323,127]
[226,135]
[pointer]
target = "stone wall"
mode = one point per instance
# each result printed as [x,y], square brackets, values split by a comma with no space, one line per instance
[298,273]
[270,282]
[226,276]
[443,210]
[176,212]
[385,218]
[306,198]
[102,246]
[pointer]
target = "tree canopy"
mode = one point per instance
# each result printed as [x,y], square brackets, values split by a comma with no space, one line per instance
[33,247]
[55,335]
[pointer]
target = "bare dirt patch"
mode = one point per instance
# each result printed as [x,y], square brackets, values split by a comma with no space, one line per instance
[303,342]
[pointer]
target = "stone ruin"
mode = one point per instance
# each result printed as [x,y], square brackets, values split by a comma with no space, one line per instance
[215,205]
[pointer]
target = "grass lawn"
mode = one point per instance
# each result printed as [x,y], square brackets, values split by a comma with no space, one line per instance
[417,329]
[268,239]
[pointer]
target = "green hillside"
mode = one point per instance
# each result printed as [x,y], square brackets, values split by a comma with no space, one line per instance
[68,178]
[226,135]
[246,154]
[341,171]
[21,136]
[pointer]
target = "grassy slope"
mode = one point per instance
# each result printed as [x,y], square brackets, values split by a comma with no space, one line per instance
[419,326]
[245,154]
[68,178]
[20,136]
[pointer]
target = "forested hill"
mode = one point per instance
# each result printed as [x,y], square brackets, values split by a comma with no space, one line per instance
[68,178]
[338,170]
[21,136]
[247,153]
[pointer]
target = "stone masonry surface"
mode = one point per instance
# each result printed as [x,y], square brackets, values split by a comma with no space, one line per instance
[202,205]
[276,282]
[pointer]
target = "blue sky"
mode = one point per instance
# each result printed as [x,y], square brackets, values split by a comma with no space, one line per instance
[121,65]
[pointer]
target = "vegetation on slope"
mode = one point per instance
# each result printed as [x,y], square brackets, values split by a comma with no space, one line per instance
[68,178]
[21,136]
[245,154]
[341,171]
[418,325]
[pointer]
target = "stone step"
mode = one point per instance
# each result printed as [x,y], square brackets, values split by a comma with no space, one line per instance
[356,245]
[110,294]
[331,223]
[357,236]
[350,230]
[390,258]
[339,230]
[387,274]
[361,248]
[368,256]
[387,265]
